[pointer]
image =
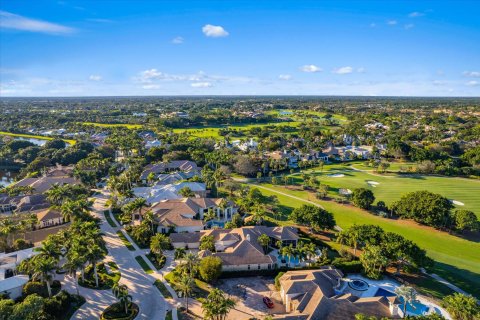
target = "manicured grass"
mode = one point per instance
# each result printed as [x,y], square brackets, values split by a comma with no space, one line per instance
[143,264]
[391,187]
[125,241]
[32,136]
[163,290]
[113,125]
[109,219]
[169,316]
[457,259]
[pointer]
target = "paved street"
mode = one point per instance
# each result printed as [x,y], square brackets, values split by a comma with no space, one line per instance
[151,302]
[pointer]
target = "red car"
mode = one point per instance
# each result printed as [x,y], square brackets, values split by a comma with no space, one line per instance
[268,302]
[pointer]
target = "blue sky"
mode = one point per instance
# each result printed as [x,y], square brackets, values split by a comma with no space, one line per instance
[105,48]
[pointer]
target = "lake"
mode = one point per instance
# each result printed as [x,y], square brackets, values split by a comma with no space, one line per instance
[7,177]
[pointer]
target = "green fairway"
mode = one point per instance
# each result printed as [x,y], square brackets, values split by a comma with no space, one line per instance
[113,125]
[32,136]
[458,259]
[391,187]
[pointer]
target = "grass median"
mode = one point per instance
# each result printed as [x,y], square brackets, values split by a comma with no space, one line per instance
[125,241]
[144,264]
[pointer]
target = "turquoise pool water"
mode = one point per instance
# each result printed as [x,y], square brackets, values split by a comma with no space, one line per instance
[415,308]
[292,260]
[216,224]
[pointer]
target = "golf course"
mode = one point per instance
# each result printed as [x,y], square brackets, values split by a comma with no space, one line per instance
[457,259]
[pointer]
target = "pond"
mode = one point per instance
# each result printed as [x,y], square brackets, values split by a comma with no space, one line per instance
[7,177]
[38,142]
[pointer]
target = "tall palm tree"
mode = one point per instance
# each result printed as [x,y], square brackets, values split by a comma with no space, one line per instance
[95,254]
[179,253]
[185,286]
[120,291]
[74,263]
[191,261]
[42,268]
[49,249]
[287,251]
[408,294]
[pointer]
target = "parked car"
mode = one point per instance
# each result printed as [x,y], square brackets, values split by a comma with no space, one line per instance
[268,302]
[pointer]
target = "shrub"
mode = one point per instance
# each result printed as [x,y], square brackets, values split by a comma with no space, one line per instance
[34,287]
[210,268]
[277,280]
[354,266]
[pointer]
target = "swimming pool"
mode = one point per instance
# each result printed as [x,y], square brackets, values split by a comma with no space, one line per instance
[414,308]
[219,224]
[292,260]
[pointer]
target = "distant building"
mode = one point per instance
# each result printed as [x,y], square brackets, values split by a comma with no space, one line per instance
[172,166]
[161,192]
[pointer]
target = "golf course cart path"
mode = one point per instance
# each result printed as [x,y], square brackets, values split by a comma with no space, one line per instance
[152,304]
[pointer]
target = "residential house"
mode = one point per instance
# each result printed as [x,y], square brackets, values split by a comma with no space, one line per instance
[48,218]
[13,286]
[315,294]
[186,214]
[162,192]
[172,166]
[10,261]
[239,248]
[54,175]
[19,204]
[285,157]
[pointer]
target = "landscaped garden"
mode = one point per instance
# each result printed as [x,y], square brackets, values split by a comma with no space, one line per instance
[106,279]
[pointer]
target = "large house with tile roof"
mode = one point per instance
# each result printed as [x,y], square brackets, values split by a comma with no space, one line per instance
[239,248]
[315,294]
[186,214]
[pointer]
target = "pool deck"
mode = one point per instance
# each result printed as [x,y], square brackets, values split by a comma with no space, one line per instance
[389,285]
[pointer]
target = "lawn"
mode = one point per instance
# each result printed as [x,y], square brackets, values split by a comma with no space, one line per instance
[457,259]
[109,219]
[113,125]
[391,187]
[163,290]
[143,264]
[33,136]
[125,241]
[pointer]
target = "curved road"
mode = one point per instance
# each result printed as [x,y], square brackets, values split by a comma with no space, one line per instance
[151,302]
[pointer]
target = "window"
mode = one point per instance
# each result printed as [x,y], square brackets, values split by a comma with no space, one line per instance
[248,267]
[258,267]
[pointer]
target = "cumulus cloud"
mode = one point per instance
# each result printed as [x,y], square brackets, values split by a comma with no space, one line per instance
[472,83]
[416,14]
[475,74]
[177,40]
[392,22]
[343,70]
[201,85]
[284,77]
[13,21]
[409,26]
[214,31]
[310,68]
[95,77]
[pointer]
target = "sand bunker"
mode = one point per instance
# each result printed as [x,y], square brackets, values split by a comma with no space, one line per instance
[372,183]
[345,192]
[458,203]
[336,175]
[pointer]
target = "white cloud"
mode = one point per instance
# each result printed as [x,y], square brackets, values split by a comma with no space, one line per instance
[284,77]
[472,83]
[361,70]
[214,31]
[151,86]
[95,77]
[409,26]
[177,40]
[392,22]
[310,68]
[13,21]
[475,74]
[343,70]
[201,85]
[416,14]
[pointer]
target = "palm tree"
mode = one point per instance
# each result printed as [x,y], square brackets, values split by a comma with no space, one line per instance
[8,228]
[56,194]
[149,218]
[42,268]
[74,263]
[191,261]
[408,294]
[217,305]
[120,291]
[49,249]
[185,285]
[209,215]
[264,241]
[287,251]
[95,254]
[179,253]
